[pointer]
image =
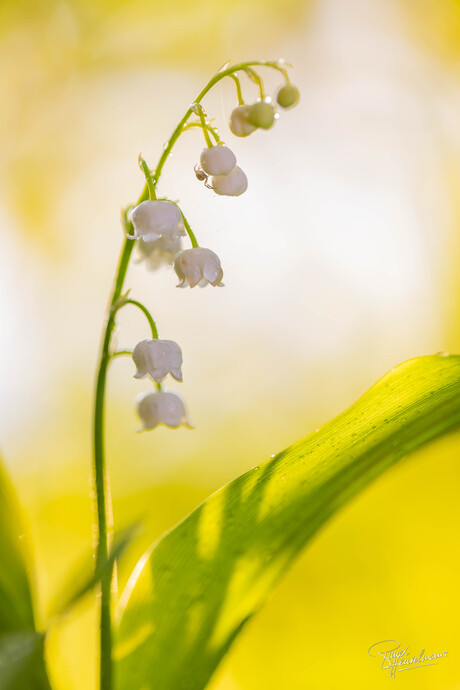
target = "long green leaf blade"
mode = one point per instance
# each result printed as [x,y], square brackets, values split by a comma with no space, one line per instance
[192,593]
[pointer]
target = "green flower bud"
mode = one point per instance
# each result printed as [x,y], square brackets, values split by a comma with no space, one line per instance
[261,114]
[288,96]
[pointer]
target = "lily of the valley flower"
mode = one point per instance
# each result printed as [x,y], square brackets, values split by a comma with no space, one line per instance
[161,407]
[158,252]
[198,266]
[158,358]
[239,123]
[217,160]
[154,219]
[233,184]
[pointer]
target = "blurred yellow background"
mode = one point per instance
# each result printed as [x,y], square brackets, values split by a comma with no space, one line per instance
[340,261]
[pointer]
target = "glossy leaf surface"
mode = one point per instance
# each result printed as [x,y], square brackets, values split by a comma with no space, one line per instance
[192,593]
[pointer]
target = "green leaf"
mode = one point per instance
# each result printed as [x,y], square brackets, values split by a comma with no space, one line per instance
[16,610]
[21,662]
[85,577]
[192,593]
[22,665]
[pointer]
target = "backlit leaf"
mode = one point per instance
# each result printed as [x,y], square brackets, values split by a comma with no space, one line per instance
[192,593]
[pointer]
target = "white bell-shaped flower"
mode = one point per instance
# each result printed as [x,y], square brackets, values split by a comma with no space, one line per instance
[233,184]
[160,252]
[198,266]
[158,358]
[239,123]
[217,160]
[154,219]
[161,407]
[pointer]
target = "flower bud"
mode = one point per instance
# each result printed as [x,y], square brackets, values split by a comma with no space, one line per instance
[158,358]
[217,160]
[158,252]
[198,266]
[262,114]
[154,219]
[159,407]
[233,184]
[288,96]
[239,123]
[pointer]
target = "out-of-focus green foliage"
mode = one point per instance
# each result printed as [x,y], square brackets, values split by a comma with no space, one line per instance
[190,596]
[21,648]
[21,662]
[85,577]
[16,612]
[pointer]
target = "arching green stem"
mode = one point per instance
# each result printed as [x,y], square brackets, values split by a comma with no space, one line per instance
[273,64]
[239,93]
[188,229]
[212,130]
[143,309]
[100,475]
[285,74]
[122,353]
[199,110]
[252,74]
[148,178]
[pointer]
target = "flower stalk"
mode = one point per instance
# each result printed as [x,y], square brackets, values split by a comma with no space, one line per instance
[198,264]
[148,178]
[189,230]
[121,303]
[100,475]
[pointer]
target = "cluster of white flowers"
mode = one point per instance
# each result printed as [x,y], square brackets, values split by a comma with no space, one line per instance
[158,358]
[159,226]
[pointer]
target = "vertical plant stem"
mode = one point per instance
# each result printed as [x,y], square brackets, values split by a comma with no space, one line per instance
[100,476]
